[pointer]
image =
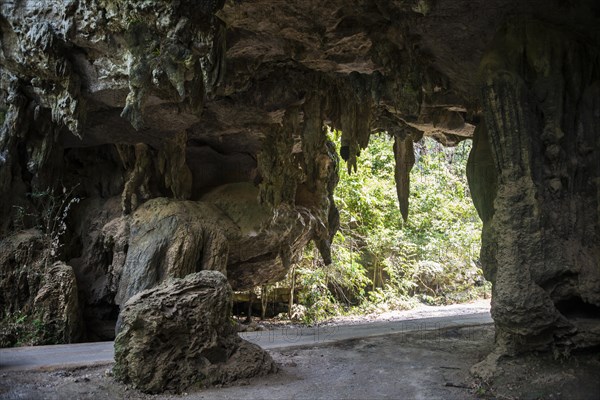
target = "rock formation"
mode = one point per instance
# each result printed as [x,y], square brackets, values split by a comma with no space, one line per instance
[43,295]
[107,99]
[57,303]
[179,334]
[208,121]
[541,97]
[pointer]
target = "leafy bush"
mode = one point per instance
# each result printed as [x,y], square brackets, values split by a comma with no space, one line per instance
[326,289]
[20,329]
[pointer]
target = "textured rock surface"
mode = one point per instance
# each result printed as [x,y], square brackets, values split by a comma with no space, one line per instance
[47,294]
[226,231]
[544,246]
[57,304]
[21,271]
[179,334]
[136,101]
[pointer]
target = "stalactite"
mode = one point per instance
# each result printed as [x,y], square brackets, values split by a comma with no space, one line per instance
[355,101]
[405,159]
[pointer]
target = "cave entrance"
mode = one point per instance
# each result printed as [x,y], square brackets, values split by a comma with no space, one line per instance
[380,261]
[433,256]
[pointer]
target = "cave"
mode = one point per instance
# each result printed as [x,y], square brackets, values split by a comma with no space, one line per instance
[190,136]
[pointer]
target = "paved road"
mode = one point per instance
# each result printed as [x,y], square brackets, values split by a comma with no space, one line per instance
[296,337]
[58,356]
[42,357]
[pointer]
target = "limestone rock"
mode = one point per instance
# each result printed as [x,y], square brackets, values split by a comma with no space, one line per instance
[540,254]
[171,239]
[57,304]
[21,271]
[227,231]
[180,334]
[40,294]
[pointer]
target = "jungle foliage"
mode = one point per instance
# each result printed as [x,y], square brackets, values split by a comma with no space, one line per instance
[382,263]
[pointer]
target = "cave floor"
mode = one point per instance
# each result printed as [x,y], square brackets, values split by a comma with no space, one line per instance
[416,365]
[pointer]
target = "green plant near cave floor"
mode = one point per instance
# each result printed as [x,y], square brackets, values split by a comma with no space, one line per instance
[21,329]
[380,262]
[327,290]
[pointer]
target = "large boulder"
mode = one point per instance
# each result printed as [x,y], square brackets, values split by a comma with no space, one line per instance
[226,231]
[179,334]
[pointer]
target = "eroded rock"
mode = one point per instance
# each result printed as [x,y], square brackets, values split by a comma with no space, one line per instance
[22,266]
[57,304]
[36,292]
[179,334]
[170,239]
[226,231]
[541,240]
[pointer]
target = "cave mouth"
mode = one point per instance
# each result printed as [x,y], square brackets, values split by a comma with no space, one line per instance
[379,260]
[432,255]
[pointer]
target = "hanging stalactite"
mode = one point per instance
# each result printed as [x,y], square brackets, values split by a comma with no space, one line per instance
[405,159]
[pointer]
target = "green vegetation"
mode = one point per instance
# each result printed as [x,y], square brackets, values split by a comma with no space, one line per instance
[21,329]
[380,262]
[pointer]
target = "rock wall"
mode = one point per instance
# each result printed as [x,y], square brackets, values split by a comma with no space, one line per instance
[39,298]
[541,96]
